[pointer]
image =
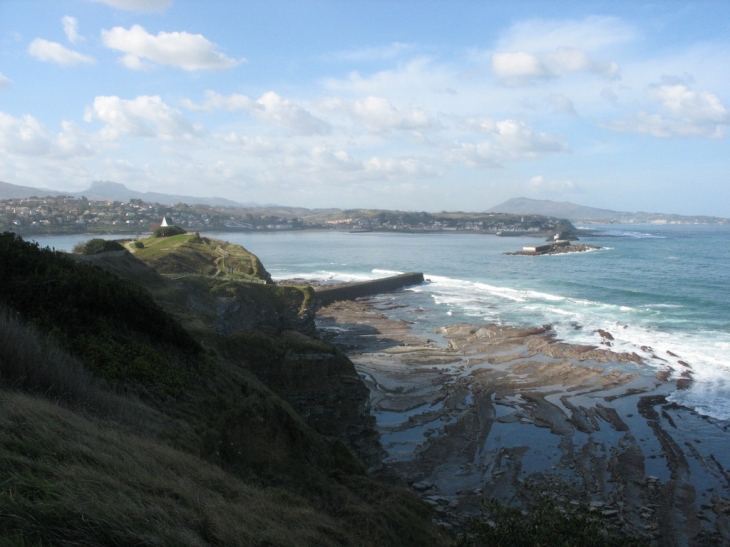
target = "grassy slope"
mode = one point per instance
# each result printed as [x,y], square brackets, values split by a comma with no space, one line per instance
[223,461]
[190,253]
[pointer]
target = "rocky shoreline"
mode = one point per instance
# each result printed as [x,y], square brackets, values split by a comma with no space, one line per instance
[558,249]
[478,412]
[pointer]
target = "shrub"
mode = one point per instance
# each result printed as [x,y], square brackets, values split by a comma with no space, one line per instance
[114,326]
[96,246]
[168,231]
[138,245]
[544,525]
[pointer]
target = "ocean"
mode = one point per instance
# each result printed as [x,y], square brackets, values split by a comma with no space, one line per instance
[661,291]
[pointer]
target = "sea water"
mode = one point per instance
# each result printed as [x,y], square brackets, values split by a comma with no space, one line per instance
[661,291]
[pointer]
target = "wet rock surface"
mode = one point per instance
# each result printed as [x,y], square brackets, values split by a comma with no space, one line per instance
[476,412]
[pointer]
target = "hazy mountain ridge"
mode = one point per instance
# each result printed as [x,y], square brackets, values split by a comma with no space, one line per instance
[575,212]
[13,191]
[107,190]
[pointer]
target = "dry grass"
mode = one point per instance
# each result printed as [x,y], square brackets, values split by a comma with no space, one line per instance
[96,468]
[69,481]
[32,362]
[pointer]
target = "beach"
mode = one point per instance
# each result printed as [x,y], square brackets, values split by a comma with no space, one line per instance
[481,411]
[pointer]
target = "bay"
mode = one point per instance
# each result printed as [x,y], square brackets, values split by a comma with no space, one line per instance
[661,291]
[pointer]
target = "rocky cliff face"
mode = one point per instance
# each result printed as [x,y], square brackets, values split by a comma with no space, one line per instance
[270,330]
[318,381]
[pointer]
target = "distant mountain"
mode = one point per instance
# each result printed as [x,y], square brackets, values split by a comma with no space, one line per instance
[119,192]
[562,209]
[12,191]
[115,191]
[572,211]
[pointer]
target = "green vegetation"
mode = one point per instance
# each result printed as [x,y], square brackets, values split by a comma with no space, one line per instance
[224,461]
[191,254]
[96,246]
[113,326]
[168,231]
[543,526]
[70,480]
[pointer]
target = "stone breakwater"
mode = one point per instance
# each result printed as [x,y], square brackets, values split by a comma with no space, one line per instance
[551,249]
[478,412]
[327,294]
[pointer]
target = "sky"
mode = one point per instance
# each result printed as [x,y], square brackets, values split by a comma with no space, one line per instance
[427,105]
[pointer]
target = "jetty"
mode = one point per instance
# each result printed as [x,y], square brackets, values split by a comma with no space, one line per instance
[328,294]
[555,247]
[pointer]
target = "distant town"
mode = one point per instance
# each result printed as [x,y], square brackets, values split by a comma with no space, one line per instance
[69,215]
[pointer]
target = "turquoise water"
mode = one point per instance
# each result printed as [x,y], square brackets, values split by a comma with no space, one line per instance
[656,289]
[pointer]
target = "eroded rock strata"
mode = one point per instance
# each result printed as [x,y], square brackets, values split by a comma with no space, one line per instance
[484,411]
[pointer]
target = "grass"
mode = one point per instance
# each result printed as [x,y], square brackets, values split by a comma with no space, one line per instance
[114,326]
[543,526]
[193,254]
[34,363]
[220,461]
[69,481]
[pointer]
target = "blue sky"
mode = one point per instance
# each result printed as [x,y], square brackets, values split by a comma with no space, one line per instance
[412,105]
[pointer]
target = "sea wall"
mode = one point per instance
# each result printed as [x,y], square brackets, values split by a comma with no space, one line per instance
[327,295]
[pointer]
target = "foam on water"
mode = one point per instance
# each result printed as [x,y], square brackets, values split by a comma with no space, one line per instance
[629,233]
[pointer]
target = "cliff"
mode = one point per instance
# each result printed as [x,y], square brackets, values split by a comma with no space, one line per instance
[223,421]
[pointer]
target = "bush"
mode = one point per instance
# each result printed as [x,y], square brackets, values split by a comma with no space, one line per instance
[113,326]
[96,246]
[168,231]
[138,245]
[544,525]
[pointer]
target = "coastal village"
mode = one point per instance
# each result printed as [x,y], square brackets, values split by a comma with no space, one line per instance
[65,214]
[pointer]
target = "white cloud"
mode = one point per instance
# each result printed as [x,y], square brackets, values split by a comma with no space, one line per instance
[522,142]
[270,108]
[522,68]
[377,114]
[329,159]
[386,52]
[53,52]
[71,28]
[553,187]
[178,49]
[540,49]
[678,101]
[399,167]
[482,154]
[4,81]
[546,35]
[511,140]
[216,101]
[146,116]
[26,136]
[560,103]
[256,146]
[481,125]
[678,112]
[138,5]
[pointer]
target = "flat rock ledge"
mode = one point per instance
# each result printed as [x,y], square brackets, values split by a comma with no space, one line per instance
[477,412]
[556,249]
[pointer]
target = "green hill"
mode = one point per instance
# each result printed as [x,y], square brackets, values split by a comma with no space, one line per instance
[193,254]
[127,417]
